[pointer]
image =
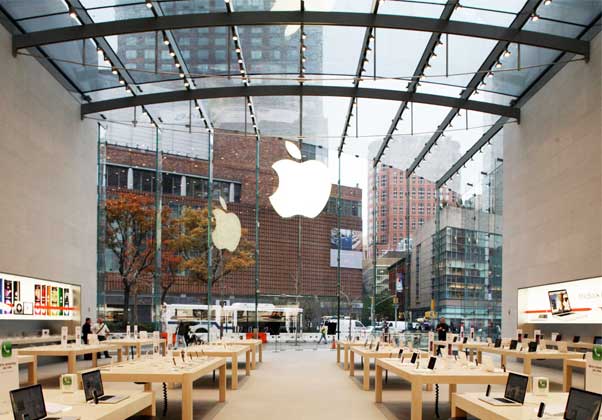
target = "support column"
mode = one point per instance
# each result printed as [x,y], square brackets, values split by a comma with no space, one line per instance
[156,290]
[339,256]
[209,242]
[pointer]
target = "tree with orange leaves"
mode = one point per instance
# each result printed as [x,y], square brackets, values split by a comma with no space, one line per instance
[130,225]
[191,244]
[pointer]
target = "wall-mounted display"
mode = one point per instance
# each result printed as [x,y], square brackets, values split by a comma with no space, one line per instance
[351,248]
[30,298]
[571,302]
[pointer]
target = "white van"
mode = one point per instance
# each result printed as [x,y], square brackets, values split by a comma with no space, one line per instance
[354,326]
[397,326]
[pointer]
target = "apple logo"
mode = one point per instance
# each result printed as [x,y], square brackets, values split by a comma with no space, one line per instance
[227,228]
[303,188]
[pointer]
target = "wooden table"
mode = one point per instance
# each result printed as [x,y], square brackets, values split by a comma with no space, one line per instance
[71,351]
[127,343]
[38,339]
[367,354]
[529,357]
[138,402]
[32,367]
[256,348]
[567,371]
[471,346]
[157,370]
[452,376]
[346,345]
[469,403]
[228,351]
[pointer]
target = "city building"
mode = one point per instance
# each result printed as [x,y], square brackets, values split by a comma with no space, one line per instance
[184,183]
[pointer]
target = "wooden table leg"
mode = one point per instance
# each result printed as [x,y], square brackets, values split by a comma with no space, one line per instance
[32,371]
[234,371]
[367,373]
[138,350]
[253,356]
[338,353]
[346,357]
[152,410]
[416,407]
[222,383]
[71,363]
[119,354]
[503,361]
[527,371]
[453,388]
[479,356]
[94,359]
[164,346]
[378,384]
[187,398]
[567,374]
[455,411]
[248,363]
[351,363]
[471,355]
[260,352]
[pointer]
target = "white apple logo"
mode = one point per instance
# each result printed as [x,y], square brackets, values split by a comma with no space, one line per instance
[227,228]
[303,188]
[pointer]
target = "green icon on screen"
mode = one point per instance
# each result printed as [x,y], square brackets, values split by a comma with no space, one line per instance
[597,353]
[67,381]
[542,383]
[7,349]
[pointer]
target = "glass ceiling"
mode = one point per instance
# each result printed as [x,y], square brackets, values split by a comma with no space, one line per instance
[272,55]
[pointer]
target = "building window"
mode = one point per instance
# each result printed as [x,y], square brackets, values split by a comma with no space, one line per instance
[117,176]
[172,184]
[144,180]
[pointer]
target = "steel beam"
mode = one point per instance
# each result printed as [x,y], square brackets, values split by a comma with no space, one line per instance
[294,90]
[521,18]
[413,85]
[206,20]
[358,74]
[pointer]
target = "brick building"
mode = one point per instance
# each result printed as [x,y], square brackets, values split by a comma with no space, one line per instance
[184,182]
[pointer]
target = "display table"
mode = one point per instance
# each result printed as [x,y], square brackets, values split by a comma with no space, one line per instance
[32,367]
[228,351]
[345,346]
[256,348]
[367,354]
[71,351]
[453,376]
[469,404]
[28,341]
[138,402]
[158,370]
[127,343]
[529,357]
[567,371]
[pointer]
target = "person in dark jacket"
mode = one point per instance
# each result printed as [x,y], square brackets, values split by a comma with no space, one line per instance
[87,329]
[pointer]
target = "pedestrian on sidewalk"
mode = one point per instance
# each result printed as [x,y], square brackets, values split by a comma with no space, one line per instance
[323,331]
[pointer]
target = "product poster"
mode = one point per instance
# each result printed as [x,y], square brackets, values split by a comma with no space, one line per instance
[30,298]
[573,302]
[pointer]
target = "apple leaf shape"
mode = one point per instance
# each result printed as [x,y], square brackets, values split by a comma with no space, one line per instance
[293,150]
[222,203]
[227,232]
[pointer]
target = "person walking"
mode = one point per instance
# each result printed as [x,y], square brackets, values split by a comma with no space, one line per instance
[323,331]
[442,330]
[102,331]
[86,330]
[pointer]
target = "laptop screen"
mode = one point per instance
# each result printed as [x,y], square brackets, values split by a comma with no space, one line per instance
[28,403]
[516,387]
[559,301]
[582,405]
[92,381]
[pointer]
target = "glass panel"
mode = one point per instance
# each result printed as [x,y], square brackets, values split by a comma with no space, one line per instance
[415,8]
[486,17]
[19,9]
[278,116]
[581,12]
[465,57]
[508,6]
[108,14]
[333,49]
[229,114]
[348,6]
[267,49]
[178,7]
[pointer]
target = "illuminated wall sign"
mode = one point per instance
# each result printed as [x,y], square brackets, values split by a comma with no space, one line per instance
[351,248]
[29,298]
[571,302]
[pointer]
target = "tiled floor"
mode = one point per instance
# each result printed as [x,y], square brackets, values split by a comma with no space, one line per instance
[303,384]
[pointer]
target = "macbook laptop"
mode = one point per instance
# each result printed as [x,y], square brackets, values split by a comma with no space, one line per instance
[516,389]
[560,305]
[582,405]
[28,404]
[93,389]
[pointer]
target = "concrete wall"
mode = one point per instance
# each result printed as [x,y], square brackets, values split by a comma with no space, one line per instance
[48,187]
[553,187]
